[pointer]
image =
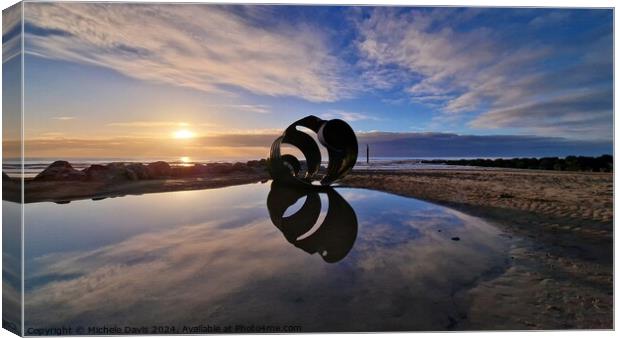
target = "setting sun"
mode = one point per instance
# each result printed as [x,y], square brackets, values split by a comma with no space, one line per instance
[183,134]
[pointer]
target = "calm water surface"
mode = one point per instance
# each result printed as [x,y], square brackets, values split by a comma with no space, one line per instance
[341,260]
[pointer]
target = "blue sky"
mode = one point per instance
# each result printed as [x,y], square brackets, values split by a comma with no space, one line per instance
[134,72]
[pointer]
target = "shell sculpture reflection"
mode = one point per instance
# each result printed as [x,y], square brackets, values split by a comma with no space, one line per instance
[335,135]
[332,239]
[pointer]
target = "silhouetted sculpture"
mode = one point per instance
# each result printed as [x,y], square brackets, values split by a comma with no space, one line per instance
[336,135]
[333,239]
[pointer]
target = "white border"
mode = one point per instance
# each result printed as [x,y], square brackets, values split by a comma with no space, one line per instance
[469,3]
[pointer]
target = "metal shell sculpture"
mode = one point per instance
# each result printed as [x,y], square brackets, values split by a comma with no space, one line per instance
[335,135]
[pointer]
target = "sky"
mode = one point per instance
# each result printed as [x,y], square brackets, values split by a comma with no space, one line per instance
[209,81]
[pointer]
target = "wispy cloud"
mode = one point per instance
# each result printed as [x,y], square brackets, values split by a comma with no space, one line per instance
[148,124]
[552,18]
[252,108]
[63,118]
[255,108]
[499,69]
[347,115]
[524,71]
[563,113]
[51,136]
[11,32]
[205,47]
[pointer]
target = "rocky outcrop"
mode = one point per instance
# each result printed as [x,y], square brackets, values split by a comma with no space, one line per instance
[116,171]
[219,168]
[137,171]
[120,171]
[189,171]
[97,172]
[159,169]
[257,163]
[60,171]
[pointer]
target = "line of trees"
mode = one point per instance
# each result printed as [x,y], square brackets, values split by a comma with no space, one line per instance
[604,163]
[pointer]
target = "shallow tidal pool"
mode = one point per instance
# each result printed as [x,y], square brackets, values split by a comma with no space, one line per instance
[253,256]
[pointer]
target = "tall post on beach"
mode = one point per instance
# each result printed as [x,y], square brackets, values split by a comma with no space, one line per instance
[367,154]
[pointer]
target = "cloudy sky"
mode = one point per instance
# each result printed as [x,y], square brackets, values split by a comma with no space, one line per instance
[125,79]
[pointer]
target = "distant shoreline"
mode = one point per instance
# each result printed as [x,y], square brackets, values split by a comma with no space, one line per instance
[34,166]
[603,163]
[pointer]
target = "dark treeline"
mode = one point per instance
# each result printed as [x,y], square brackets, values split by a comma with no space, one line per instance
[602,163]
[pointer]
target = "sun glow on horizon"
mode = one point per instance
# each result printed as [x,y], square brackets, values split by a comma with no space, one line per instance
[183,134]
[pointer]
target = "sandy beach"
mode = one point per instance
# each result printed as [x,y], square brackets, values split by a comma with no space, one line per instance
[561,274]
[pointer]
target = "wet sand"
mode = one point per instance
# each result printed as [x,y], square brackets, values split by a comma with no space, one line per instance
[561,271]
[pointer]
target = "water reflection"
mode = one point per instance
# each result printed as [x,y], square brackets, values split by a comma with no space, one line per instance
[335,235]
[214,257]
[11,266]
